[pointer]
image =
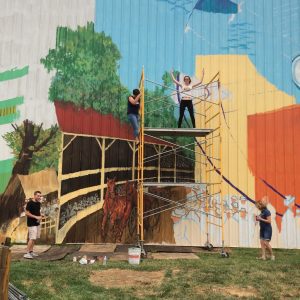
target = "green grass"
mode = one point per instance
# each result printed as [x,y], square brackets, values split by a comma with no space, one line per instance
[210,277]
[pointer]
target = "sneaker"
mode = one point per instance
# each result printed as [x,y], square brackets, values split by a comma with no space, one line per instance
[34,254]
[28,255]
[272,257]
[261,258]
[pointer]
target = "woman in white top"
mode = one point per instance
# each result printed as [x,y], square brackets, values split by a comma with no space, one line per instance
[187,97]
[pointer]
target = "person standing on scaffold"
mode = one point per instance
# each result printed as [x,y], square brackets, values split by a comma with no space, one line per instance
[187,97]
[133,108]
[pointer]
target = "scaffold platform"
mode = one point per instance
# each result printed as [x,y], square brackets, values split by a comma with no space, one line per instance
[191,132]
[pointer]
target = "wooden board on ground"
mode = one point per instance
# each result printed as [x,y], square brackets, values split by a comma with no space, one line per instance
[58,252]
[119,257]
[162,255]
[99,248]
[168,248]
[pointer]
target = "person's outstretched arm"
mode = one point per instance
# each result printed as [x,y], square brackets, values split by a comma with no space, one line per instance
[174,80]
[135,100]
[268,220]
[199,83]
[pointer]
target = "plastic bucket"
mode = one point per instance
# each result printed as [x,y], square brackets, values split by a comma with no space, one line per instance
[134,255]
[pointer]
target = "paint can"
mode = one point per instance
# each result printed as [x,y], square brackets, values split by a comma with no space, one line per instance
[134,255]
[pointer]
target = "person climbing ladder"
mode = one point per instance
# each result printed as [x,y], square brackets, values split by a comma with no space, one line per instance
[187,97]
[133,108]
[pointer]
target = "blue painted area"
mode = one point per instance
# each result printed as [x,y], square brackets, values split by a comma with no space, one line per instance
[159,35]
[217,6]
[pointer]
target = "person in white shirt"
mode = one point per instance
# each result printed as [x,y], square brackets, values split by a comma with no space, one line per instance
[187,97]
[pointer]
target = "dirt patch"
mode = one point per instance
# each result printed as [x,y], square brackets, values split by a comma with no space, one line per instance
[49,284]
[239,292]
[27,282]
[229,291]
[163,255]
[176,271]
[117,278]
[45,281]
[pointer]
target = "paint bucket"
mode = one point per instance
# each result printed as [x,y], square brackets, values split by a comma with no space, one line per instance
[134,255]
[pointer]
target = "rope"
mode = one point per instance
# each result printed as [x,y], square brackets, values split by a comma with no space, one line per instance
[178,202]
[165,86]
[172,104]
[210,82]
[179,155]
[178,147]
[166,96]
[185,147]
[177,205]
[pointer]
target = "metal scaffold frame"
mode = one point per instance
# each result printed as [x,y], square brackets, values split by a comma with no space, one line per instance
[211,153]
[213,169]
[140,175]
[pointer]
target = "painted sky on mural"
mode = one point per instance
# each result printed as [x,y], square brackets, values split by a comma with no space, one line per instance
[168,33]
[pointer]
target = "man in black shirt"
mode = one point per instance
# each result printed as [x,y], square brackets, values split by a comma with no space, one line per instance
[133,108]
[33,213]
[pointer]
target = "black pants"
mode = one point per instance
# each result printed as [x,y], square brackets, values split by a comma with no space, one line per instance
[189,105]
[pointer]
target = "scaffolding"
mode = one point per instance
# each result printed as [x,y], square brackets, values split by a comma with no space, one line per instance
[208,140]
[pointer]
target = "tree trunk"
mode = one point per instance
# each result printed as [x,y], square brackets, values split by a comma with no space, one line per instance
[22,165]
[30,136]
[12,202]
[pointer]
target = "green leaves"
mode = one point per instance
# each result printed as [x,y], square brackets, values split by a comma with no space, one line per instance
[85,64]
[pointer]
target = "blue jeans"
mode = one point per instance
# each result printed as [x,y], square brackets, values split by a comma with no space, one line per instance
[135,123]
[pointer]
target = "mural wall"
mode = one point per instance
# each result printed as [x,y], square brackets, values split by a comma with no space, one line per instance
[66,71]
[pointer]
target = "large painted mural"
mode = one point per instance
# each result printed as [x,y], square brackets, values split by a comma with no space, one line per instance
[67,68]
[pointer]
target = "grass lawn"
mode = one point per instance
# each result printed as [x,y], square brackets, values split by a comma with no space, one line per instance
[210,277]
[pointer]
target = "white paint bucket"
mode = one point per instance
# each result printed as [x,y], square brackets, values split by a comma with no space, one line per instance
[134,255]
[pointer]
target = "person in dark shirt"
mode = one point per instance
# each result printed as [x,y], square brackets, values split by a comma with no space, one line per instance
[133,108]
[265,233]
[33,213]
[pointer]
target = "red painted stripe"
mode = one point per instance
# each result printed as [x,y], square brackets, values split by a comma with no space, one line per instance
[76,120]
[273,147]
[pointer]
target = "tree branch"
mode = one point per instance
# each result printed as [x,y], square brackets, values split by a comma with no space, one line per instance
[45,141]
[17,129]
[38,131]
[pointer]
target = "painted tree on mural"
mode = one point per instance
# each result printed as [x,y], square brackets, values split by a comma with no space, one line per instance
[86,64]
[34,148]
